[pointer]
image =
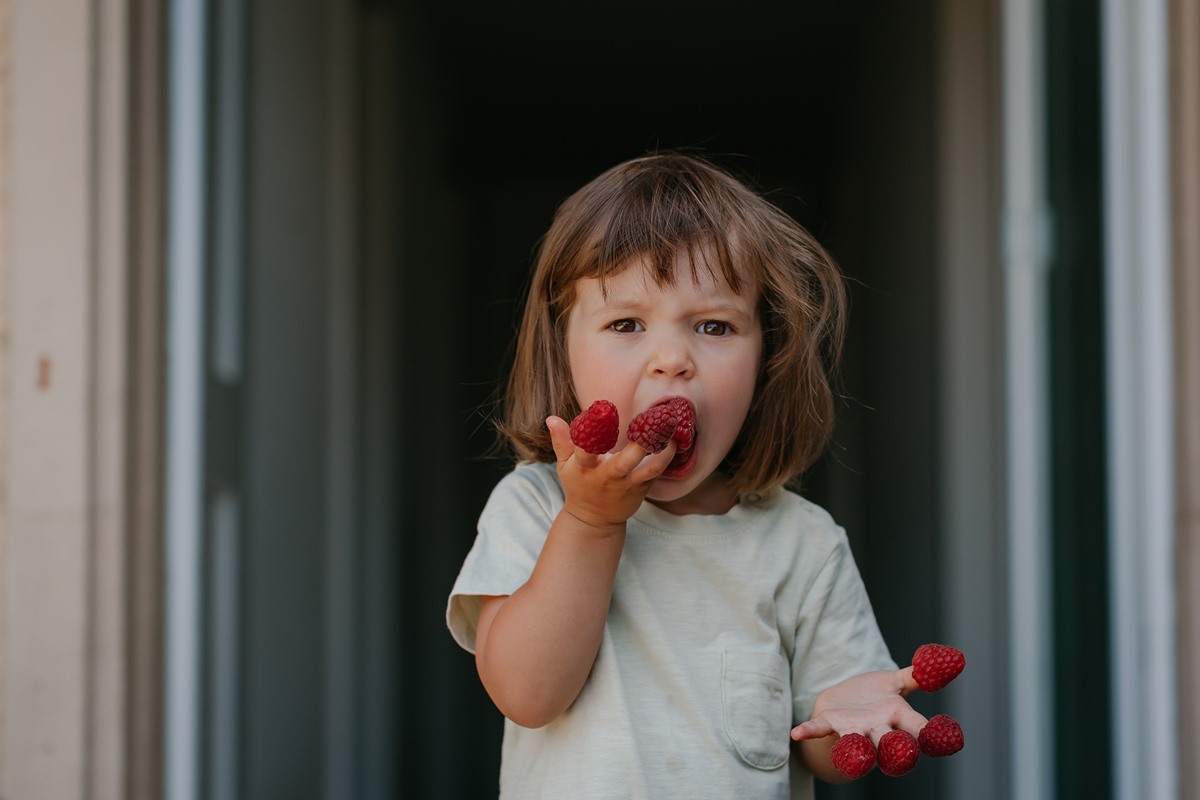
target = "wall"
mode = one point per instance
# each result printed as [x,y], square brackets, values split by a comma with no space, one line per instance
[67,541]
[49,528]
[5,59]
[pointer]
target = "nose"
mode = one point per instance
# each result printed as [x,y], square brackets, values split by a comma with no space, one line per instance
[670,358]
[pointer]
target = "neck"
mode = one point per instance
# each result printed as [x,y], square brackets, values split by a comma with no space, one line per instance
[713,496]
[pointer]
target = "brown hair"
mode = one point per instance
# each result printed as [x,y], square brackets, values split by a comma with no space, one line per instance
[654,208]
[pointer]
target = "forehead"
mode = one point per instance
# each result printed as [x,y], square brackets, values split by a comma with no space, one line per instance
[697,270]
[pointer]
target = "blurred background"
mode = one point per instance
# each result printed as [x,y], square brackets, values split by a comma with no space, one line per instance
[261,269]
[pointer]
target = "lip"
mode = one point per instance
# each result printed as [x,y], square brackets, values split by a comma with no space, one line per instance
[682,470]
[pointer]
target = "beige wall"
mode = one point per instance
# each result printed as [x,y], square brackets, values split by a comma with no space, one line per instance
[69,635]
[5,48]
[56,578]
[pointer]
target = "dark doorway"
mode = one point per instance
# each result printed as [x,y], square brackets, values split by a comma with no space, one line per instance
[498,112]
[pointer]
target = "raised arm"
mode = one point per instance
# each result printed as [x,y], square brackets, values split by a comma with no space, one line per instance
[535,648]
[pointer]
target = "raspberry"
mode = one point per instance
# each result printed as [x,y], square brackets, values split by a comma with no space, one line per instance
[941,736]
[935,665]
[685,433]
[898,753]
[596,429]
[653,428]
[853,755]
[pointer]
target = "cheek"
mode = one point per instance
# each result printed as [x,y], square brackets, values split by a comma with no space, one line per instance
[594,372]
[581,362]
[737,398]
[741,382]
[741,370]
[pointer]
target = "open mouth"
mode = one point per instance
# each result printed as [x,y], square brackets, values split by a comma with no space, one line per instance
[681,465]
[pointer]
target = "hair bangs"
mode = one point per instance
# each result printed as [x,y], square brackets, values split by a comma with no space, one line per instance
[662,218]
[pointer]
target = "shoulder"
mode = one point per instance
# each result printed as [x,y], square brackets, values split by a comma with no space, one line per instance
[808,540]
[801,516]
[511,531]
[530,487]
[530,479]
[808,511]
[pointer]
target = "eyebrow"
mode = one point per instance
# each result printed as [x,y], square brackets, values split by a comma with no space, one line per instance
[635,304]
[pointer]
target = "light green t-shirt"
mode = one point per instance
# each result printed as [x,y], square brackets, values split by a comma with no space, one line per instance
[721,633]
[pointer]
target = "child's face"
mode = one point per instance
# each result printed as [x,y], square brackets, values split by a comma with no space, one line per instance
[646,343]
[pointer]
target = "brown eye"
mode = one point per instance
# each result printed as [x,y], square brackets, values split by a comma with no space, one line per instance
[624,326]
[713,327]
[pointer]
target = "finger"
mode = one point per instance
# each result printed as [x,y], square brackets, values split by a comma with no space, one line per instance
[564,448]
[560,437]
[912,721]
[907,720]
[876,733]
[628,457]
[813,729]
[653,465]
[907,684]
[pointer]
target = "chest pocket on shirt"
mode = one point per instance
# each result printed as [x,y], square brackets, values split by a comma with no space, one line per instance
[757,699]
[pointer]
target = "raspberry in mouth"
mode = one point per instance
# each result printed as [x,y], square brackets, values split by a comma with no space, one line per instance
[685,431]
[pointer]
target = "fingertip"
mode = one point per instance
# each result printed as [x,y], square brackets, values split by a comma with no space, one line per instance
[560,437]
[662,459]
[650,466]
[813,729]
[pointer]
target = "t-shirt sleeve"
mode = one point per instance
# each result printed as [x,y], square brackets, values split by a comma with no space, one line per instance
[511,532]
[837,636]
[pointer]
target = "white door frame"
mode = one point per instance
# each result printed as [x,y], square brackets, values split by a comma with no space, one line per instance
[1027,249]
[1140,396]
[186,259]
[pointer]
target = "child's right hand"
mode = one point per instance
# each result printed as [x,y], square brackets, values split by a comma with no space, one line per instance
[603,491]
[535,648]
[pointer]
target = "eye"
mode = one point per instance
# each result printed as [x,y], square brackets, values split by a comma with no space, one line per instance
[714,327]
[625,326]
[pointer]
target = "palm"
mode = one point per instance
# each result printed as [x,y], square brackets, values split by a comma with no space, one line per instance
[871,704]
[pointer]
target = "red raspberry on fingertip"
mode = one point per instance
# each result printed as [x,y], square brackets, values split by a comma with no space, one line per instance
[685,432]
[935,665]
[941,736]
[652,429]
[898,753]
[596,429]
[853,755]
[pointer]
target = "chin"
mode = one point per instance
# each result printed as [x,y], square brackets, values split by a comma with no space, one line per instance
[666,491]
[700,492]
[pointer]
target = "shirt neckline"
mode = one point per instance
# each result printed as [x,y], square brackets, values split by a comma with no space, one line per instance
[656,520]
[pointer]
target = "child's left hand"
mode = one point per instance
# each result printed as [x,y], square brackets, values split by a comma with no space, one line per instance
[871,704]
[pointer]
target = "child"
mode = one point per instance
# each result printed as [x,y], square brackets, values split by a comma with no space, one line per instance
[652,625]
